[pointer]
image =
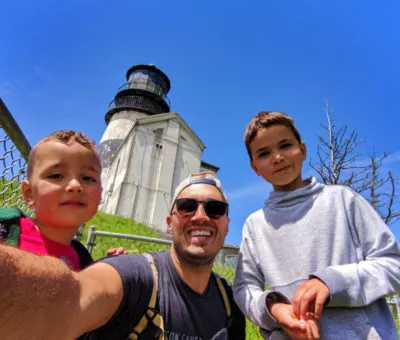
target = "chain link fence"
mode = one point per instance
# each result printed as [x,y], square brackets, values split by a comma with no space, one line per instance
[14,151]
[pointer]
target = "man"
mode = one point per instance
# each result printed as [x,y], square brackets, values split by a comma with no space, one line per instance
[41,298]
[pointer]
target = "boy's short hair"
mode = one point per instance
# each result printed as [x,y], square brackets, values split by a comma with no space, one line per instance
[266,119]
[62,136]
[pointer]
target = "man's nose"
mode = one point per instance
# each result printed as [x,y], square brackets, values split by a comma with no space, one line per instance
[200,213]
[74,186]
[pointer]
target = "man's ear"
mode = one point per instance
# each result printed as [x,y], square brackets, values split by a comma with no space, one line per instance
[169,222]
[27,192]
[227,227]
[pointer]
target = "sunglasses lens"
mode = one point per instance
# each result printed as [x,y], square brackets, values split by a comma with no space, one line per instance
[215,209]
[186,206]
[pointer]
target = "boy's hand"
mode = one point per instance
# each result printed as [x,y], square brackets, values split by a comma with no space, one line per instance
[116,251]
[310,297]
[296,329]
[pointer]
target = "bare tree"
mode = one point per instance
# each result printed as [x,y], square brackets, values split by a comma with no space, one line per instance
[340,163]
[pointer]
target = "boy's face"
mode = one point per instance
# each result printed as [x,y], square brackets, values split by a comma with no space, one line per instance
[198,238]
[278,157]
[64,186]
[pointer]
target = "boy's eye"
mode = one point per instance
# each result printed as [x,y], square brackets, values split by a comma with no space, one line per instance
[263,154]
[54,176]
[89,179]
[286,145]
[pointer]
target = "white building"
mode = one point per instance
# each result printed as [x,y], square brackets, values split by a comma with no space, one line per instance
[146,151]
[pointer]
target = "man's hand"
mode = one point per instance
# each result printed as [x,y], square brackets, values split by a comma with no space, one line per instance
[116,251]
[296,329]
[310,297]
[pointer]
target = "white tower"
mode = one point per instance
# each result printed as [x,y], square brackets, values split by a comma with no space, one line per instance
[146,151]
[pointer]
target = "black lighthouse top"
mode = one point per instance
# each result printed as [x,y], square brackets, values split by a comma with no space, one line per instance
[146,91]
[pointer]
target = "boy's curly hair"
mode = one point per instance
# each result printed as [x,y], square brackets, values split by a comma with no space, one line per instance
[62,136]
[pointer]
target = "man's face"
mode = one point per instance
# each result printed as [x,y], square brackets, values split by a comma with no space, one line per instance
[278,157]
[197,238]
[64,186]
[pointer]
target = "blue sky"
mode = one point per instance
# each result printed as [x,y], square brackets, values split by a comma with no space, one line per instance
[61,65]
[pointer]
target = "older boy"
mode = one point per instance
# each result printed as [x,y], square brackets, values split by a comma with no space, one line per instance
[315,245]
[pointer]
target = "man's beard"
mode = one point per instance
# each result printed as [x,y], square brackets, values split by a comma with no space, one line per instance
[193,259]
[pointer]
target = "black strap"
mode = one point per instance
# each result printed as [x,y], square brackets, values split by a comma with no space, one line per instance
[84,256]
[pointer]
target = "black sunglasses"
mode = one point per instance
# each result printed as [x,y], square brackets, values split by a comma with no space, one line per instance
[213,208]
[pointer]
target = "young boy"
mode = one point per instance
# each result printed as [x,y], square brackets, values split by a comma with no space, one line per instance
[64,188]
[317,246]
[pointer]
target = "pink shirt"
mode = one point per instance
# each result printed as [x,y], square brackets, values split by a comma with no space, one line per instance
[32,241]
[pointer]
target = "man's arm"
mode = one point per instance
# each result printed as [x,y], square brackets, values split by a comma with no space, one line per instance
[40,296]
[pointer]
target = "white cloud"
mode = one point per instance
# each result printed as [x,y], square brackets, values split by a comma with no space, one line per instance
[255,189]
[392,158]
[6,89]
[9,87]
[41,74]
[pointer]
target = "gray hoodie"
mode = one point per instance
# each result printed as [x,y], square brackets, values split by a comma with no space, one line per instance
[329,232]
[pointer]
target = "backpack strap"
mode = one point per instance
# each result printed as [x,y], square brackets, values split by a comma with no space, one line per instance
[9,225]
[224,294]
[84,256]
[151,314]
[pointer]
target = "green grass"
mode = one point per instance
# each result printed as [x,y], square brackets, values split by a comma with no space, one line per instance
[10,191]
[116,224]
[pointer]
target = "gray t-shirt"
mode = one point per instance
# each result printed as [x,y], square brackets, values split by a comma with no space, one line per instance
[187,315]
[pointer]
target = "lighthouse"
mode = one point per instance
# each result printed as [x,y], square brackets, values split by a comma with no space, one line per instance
[146,150]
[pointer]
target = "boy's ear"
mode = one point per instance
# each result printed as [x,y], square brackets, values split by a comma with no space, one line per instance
[254,167]
[27,192]
[303,149]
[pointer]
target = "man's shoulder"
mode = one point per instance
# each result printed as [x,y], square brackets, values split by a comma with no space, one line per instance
[222,278]
[160,255]
[124,259]
[226,284]
[129,267]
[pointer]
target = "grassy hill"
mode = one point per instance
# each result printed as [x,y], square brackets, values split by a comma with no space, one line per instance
[116,224]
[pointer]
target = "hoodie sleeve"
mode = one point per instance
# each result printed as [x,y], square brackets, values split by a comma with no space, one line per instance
[377,272]
[248,288]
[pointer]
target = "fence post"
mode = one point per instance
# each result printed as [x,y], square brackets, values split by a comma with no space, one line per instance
[397,302]
[10,126]
[90,238]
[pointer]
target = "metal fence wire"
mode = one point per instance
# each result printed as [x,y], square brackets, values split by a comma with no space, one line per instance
[14,151]
[98,242]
